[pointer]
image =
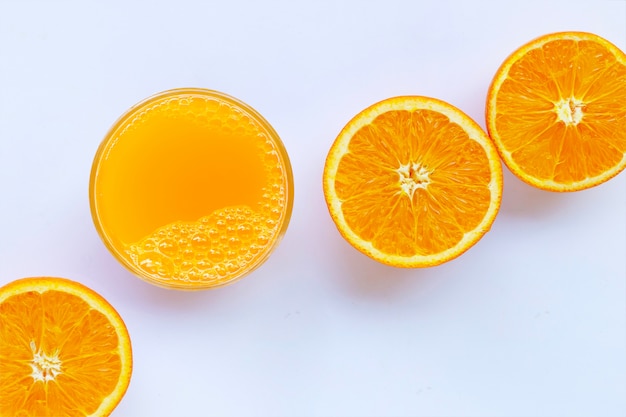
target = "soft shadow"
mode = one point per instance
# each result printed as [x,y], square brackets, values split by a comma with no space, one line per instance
[520,199]
[386,283]
[365,278]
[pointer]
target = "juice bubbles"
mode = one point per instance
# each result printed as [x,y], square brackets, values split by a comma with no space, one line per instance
[191,189]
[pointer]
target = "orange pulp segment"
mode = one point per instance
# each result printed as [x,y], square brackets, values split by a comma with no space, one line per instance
[64,350]
[191,189]
[556,110]
[412,181]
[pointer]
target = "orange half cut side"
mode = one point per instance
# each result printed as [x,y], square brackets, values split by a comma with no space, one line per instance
[64,350]
[412,181]
[556,110]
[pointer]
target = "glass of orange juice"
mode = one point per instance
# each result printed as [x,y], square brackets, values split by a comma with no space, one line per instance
[191,189]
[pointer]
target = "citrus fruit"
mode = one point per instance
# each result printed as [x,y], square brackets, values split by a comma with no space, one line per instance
[412,181]
[556,110]
[64,350]
[191,189]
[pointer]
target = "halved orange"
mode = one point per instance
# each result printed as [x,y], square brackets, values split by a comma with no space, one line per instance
[64,350]
[412,181]
[556,110]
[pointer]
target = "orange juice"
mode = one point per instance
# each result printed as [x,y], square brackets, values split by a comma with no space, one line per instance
[191,189]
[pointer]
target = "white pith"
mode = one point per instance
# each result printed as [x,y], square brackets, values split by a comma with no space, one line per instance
[413,176]
[569,111]
[45,367]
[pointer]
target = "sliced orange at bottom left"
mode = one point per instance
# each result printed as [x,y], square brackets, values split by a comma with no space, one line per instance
[64,350]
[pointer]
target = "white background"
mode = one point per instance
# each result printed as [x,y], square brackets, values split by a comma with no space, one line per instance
[530,322]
